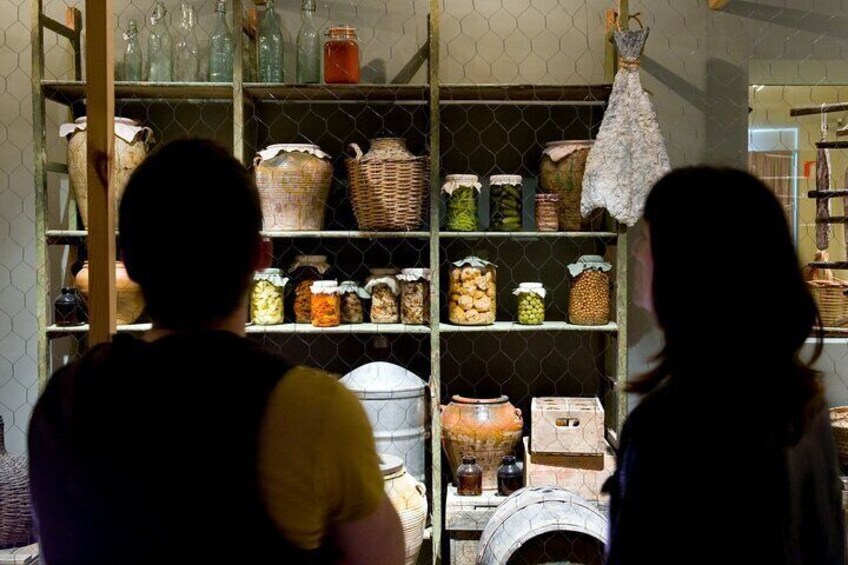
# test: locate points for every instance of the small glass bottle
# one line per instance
(469, 475)
(68, 308)
(270, 46)
(221, 47)
(186, 49)
(341, 56)
(160, 49)
(308, 46)
(510, 477)
(132, 53)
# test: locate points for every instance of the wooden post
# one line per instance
(100, 94)
(718, 4)
(609, 46)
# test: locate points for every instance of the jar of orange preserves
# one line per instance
(341, 56)
(326, 304)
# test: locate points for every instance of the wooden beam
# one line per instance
(73, 19)
(817, 110)
(718, 4)
(100, 95)
(609, 46)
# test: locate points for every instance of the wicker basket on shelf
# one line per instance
(839, 425)
(828, 292)
(16, 526)
(388, 186)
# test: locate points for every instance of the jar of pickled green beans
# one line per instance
(531, 303)
(505, 202)
(461, 192)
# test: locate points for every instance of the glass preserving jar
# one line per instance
(510, 476)
(531, 303)
(341, 56)
(547, 212)
(462, 192)
(589, 296)
(384, 288)
(505, 203)
(415, 296)
(353, 297)
(472, 292)
(326, 304)
(266, 297)
(469, 475)
(305, 270)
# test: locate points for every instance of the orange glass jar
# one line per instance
(341, 56)
(326, 304)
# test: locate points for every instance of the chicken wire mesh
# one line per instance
(704, 70)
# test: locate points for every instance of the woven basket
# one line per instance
(387, 194)
(831, 300)
(16, 527)
(839, 425)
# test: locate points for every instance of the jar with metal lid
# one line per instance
(415, 296)
(472, 292)
(462, 192)
(341, 56)
(531, 303)
(589, 296)
(384, 288)
(469, 477)
(547, 212)
(505, 204)
(326, 304)
(266, 297)
(352, 302)
(305, 270)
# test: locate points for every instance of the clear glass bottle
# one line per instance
(270, 46)
(308, 46)
(221, 47)
(187, 49)
(160, 48)
(469, 475)
(132, 53)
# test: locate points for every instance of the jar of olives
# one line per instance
(352, 303)
(472, 292)
(589, 296)
(266, 297)
(531, 303)
(384, 288)
(506, 202)
(305, 270)
(462, 192)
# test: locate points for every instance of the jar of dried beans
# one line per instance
(472, 292)
(305, 270)
(384, 289)
(353, 299)
(415, 296)
(326, 304)
(589, 296)
(266, 297)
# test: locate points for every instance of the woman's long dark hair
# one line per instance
(730, 297)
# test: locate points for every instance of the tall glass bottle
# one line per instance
(308, 46)
(270, 46)
(132, 53)
(186, 49)
(160, 49)
(221, 47)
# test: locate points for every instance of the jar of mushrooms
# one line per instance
(353, 302)
(589, 295)
(415, 296)
(472, 292)
(384, 288)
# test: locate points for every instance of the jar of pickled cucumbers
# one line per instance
(472, 292)
(305, 270)
(589, 295)
(415, 296)
(505, 202)
(384, 288)
(531, 303)
(353, 299)
(462, 192)
(326, 304)
(266, 297)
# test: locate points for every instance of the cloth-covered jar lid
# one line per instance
(274, 276)
(346, 287)
(453, 182)
(125, 128)
(501, 180)
(589, 263)
(391, 282)
(536, 288)
(415, 274)
(472, 261)
(558, 150)
(273, 150)
(325, 287)
(318, 262)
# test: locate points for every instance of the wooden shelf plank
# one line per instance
(54, 331)
(337, 92)
(526, 234)
(832, 145)
(71, 92)
(500, 327)
(836, 193)
(593, 93)
(838, 265)
(63, 237)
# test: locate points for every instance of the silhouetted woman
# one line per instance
(728, 458)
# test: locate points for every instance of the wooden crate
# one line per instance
(465, 519)
(567, 425)
(582, 475)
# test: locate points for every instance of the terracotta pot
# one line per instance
(409, 497)
(562, 168)
(487, 428)
(130, 299)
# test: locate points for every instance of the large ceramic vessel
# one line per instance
(562, 168)
(131, 145)
(409, 498)
(294, 181)
(487, 428)
(130, 299)
(16, 525)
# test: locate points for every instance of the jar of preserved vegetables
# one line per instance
(547, 212)
(472, 292)
(341, 56)
(462, 192)
(531, 303)
(352, 302)
(266, 297)
(384, 289)
(326, 304)
(589, 296)
(415, 296)
(305, 270)
(505, 204)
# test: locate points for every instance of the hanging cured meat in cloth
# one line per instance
(629, 155)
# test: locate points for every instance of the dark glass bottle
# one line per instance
(469, 475)
(510, 477)
(68, 310)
